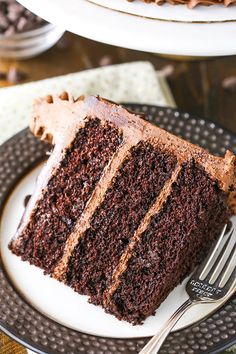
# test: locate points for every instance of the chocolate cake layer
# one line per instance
(136, 187)
(69, 189)
(177, 238)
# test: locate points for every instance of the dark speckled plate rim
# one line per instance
(11, 331)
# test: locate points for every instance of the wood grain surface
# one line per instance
(204, 87)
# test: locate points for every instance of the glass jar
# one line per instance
(30, 43)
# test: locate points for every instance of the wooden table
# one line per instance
(197, 86)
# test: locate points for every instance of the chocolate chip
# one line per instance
(38, 19)
(167, 70)
(3, 75)
(229, 84)
(4, 23)
(14, 11)
(14, 76)
(21, 24)
(105, 60)
(63, 43)
(14, 18)
(3, 8)
(26, 200)
(10, 30)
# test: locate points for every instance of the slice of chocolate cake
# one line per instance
(123, 210)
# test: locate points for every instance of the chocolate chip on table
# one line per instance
(105, 60)
(15, 18)
(167, 70)
(14, 76)
(229, 84)
(63, 43)
(3, 75)
(26, 200)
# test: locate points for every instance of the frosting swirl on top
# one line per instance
(192, 3)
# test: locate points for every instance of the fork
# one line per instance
(213, 281)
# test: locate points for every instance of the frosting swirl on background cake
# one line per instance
(191, 3)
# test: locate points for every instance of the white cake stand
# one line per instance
(173, 30)
(204, 31)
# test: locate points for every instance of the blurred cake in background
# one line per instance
(191, 3)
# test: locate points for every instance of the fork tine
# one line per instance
(231, 282)
(227, 269)
(218, 255)
(213, 252)
(222, 259)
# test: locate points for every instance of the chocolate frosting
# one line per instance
(57, 118)
(192, 3)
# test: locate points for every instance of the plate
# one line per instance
(30, 304)
(212, 33)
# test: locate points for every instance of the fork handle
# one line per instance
(155, 343)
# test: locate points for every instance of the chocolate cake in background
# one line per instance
(123, 210)
(191, 3)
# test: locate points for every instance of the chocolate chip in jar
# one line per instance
(23, 35)
(15, 18)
